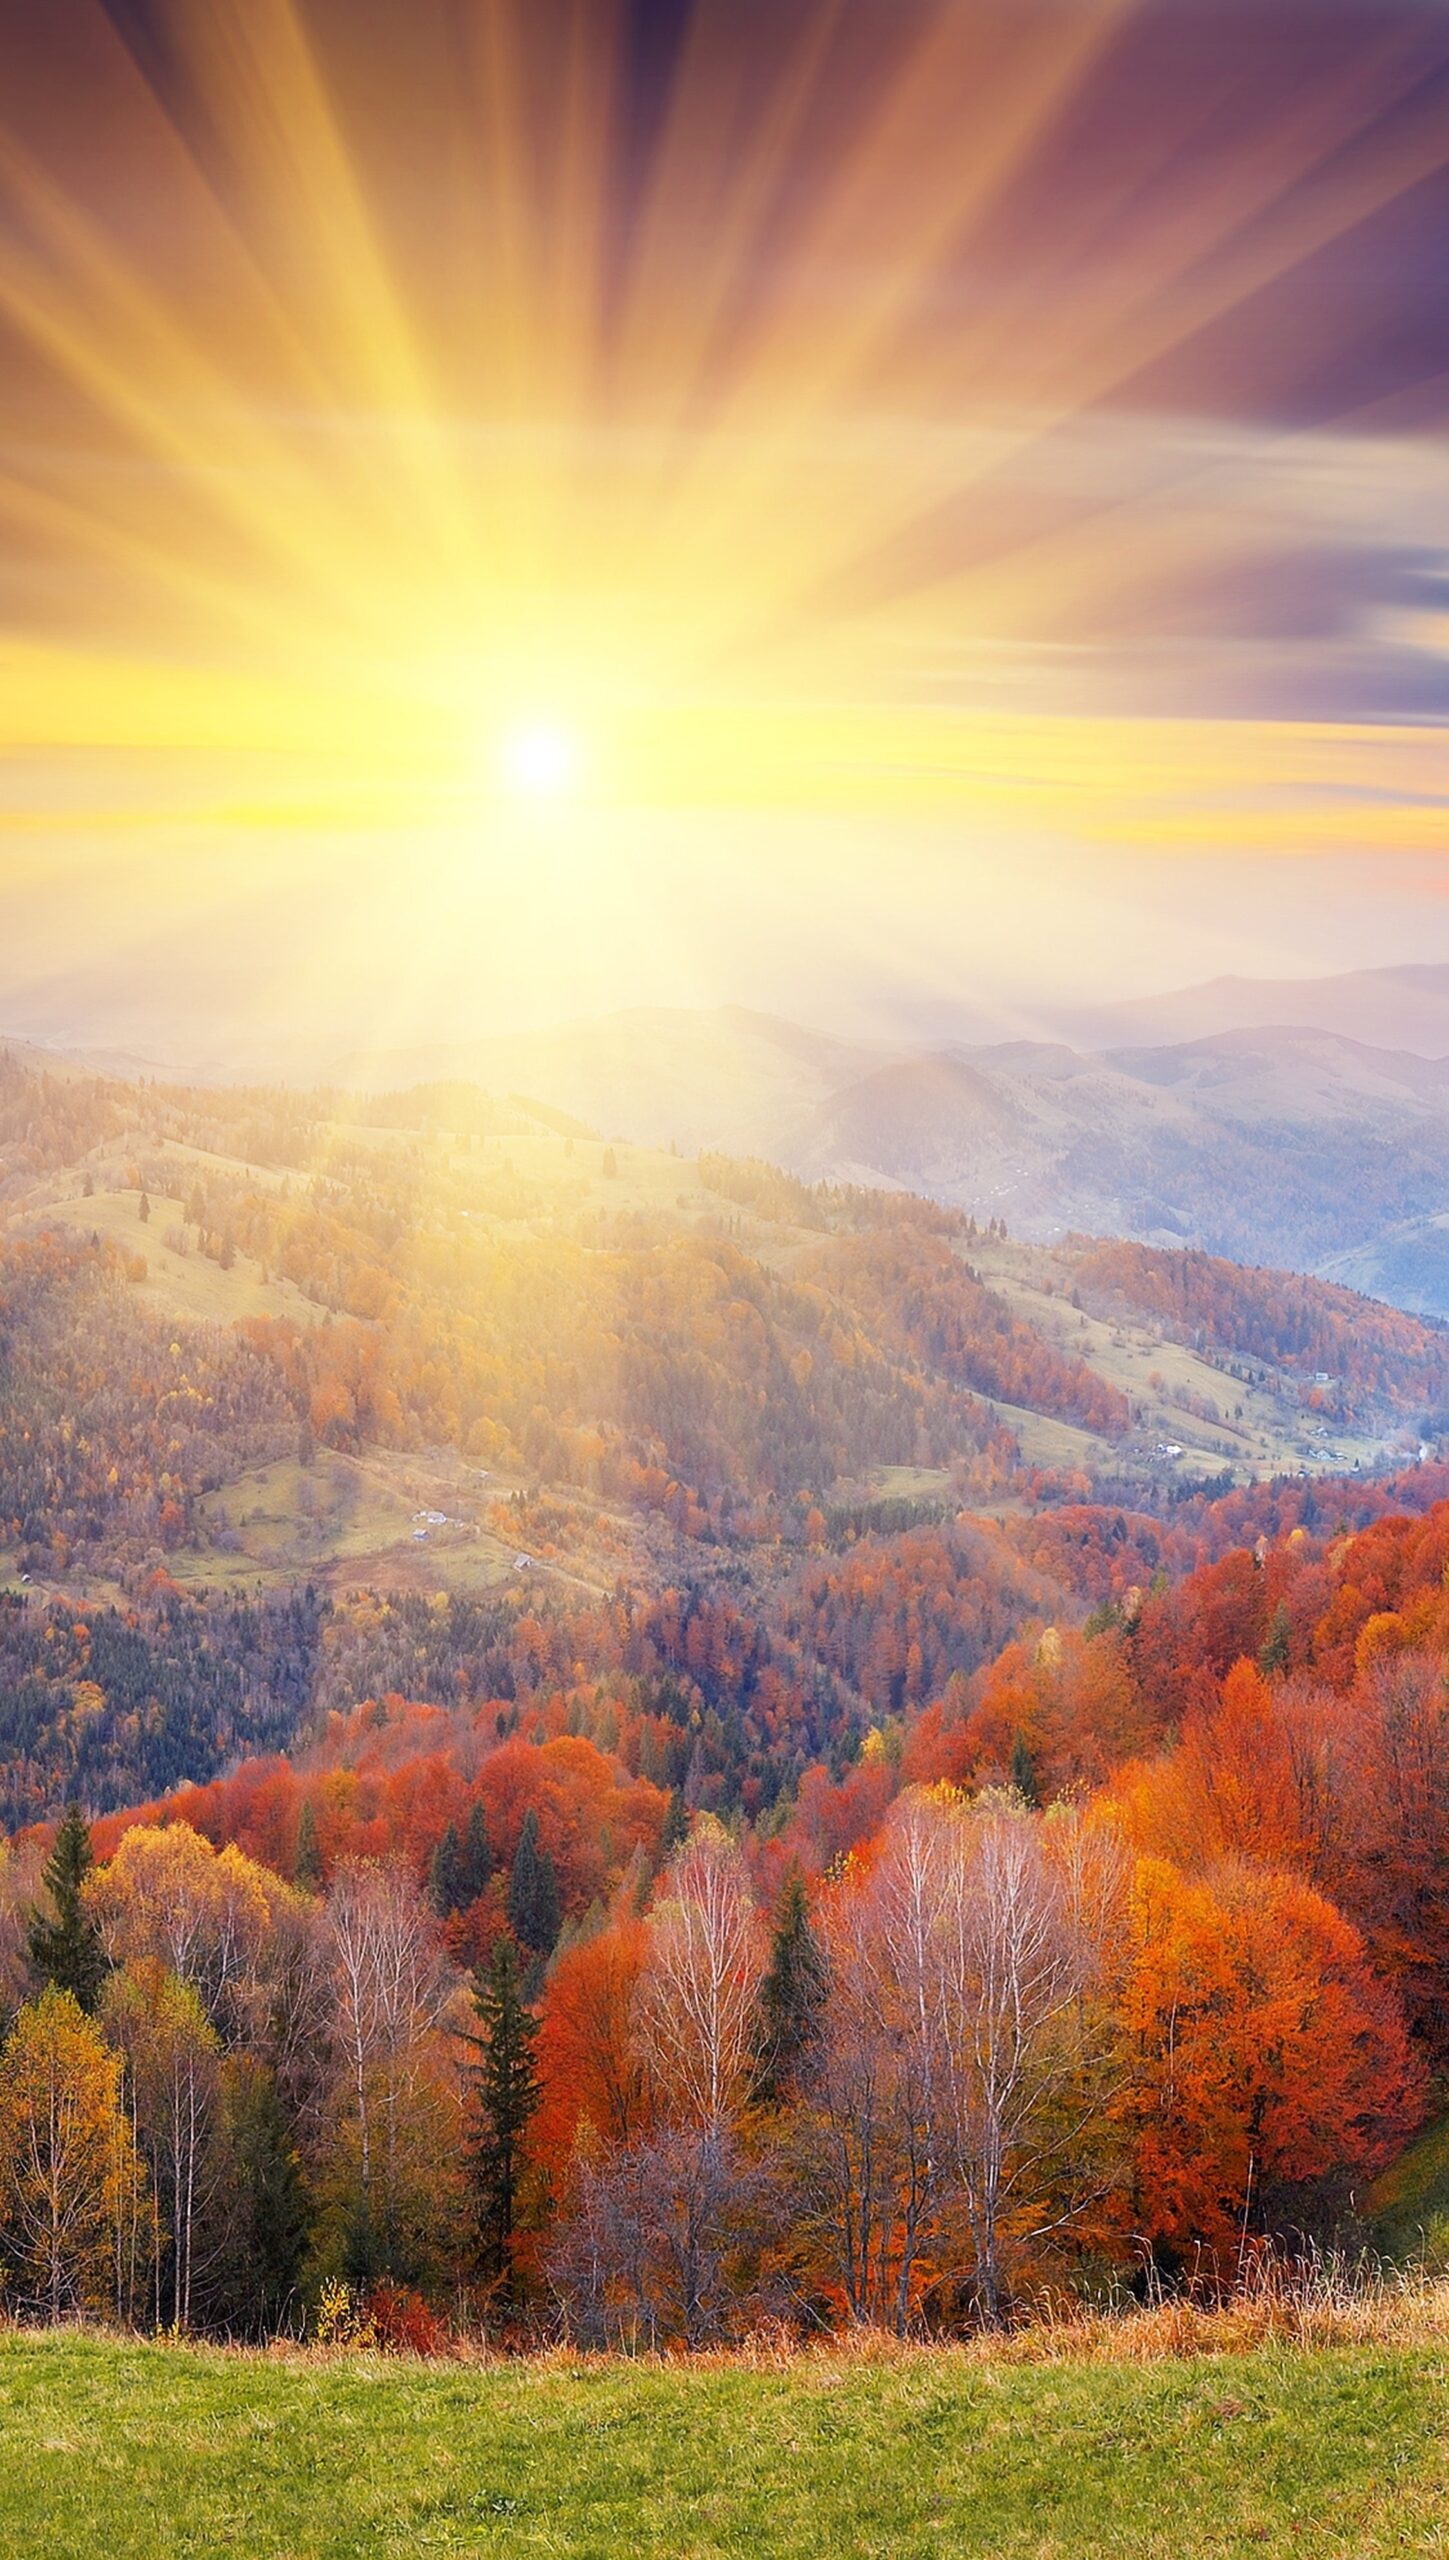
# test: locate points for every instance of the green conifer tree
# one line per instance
(534, 1908)
(307, 1872)
(64, 1944)
(506, 2093)
(445, 1875)
(792, 1995)
(267, 2204)
(1023, 1773)
(475, 1864)
(1277, 1650)
(676, 1825)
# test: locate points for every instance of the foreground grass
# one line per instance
(139, 2452)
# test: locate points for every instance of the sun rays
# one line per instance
(379, 380)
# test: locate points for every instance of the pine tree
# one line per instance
(144, 1211)
(66, 1949)
(1277, 1651)
(534, 1909)
(676, 1825)
(792, 1995)
(268, 2206)
(307, 1870)
(1023, 1773)
(445, 1890)
(475, 1864)
(506, 2092)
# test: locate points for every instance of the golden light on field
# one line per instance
(402, 423)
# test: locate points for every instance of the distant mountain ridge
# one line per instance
(1405, 1006)
(1300, 1123)
(1294, 1145)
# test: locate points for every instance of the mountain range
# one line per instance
(1301, 1123)
(1403, 1007)
(1297, 1142)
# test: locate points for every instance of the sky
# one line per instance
(896, 511)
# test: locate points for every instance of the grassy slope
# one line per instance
(186, 1285)
(148, 2453)
(1274, 1434)
(568, 1179)
(1412, 2196)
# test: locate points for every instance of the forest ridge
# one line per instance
(655, 1746)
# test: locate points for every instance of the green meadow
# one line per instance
(147, 2452)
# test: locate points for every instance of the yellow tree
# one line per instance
(168, 1897)
(72, 2190)
(172, 2055)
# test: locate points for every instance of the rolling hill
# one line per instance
(262, 1344)
(1288, 1147)
(1297, 1146)
(1297, 1123)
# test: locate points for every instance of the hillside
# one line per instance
(151, 2452)
(726, 1078)
(1290, 1147)
(433, 1343)
(1316, 1144)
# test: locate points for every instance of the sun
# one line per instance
(540, 760)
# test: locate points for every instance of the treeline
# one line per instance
(649, 1360)
(47, 1121)
(728, 1686)
(1126, 1950)
(784, 1199)
(682, 1374)
(992, 2058)
(916, 1297)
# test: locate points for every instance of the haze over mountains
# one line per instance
(1302, 1123)
(1406, 1007)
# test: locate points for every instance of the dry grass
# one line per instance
(1330, 2301)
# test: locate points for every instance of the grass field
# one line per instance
(188, 1285)
(139, 2452)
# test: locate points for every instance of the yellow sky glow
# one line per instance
(348, 527)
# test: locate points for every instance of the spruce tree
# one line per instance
(262, 2264)
(475, 1864)
(534, 1909)
(792, 1995)
(307, 1872)
(444, 1875)
(676, 1825)
(1023, 1773)
(1277, 1650)
(506, 2092)
(66, 1949)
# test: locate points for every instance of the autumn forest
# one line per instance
(611, 1746)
